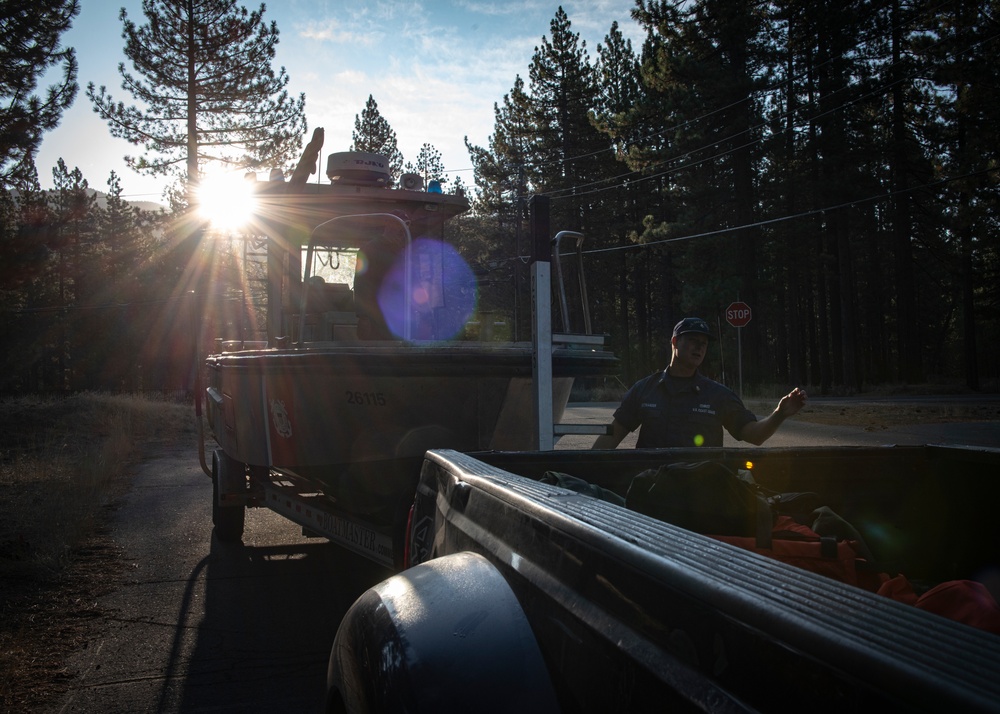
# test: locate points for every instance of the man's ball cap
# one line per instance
(692, 324)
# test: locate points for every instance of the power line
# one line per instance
(641, 176)
(763, 92)
(779, 219)
(804, 214)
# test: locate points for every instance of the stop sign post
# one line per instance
(738, 315)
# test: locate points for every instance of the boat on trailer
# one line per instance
(369, 359)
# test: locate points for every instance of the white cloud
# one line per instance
(331, 31)
(502, 9)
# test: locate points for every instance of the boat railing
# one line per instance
(581, 280)
(545, 340)
(222, 345)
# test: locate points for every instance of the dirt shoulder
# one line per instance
(65, 464)
(49, 616)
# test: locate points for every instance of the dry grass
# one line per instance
(64, 462)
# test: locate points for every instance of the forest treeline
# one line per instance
(832, 164)
(93, 295)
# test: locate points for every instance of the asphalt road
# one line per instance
(796, 432)
(200, 626)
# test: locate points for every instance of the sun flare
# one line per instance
(226, 201)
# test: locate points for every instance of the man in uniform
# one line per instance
(681, 407)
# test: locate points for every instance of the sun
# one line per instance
(226, 200)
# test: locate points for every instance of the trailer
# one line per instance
(370, 360)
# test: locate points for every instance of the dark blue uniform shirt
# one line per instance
(675, 411)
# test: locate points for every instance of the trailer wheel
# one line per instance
(229, 521)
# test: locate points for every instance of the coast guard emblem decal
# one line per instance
(279, 417)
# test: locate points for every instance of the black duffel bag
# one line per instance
(704, 497)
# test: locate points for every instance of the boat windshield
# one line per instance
(391, 286)
(333, 265)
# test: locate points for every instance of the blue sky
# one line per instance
(434, 67)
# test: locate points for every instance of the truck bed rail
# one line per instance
(763, 631)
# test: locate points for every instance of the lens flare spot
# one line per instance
(443, 292)
(699, 440)
(421, 296)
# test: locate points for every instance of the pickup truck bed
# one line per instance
(633, 614)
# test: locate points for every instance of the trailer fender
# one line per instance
(229, 487)
(444, 636)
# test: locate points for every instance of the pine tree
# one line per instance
(960, 48)
(563, 89)
(501, 169)
(619, 90)
(121, 316)
(24, 283)
(71, 242)
(373, 134)
(429, 165)
(125, 235)
(703, 63)
(501, 175)
(29, 47)
(206, 90)
(24, 218)
(72, 217)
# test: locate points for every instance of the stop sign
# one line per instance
(738, 314)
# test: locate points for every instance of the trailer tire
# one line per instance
(229, 521)
(445, 636)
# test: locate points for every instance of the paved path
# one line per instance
(796, 432)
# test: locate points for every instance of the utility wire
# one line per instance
(765, 92)
(771, 221)
(642, 175)
(762, 93)
(804, 214)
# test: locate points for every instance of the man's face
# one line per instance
(691, 349)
